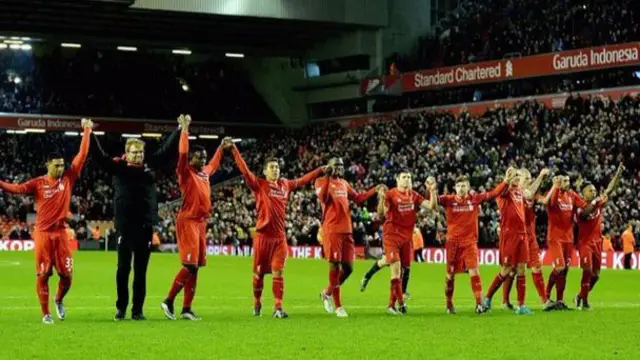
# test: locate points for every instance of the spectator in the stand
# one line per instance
(628, 245)
(590, 135)
(481, 30)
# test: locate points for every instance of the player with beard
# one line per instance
(334, 194)
(563, 202)
(462, 211)
(399, 206)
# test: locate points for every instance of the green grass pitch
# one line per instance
(229, 331)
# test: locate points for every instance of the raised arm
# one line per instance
(305, 179)
(215, 161)
(81, 157)
(432, 192)
(249, 177)
(360, 196)
(545, 199)
(183, 154)
(430, 202)
(531, 191)
(615, 181)
(102, 158)
(493, 193)
(28, 187)
(552, 197)
(384, 202)
(166, 150)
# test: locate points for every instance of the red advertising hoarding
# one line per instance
(601, 57)
(70, 123)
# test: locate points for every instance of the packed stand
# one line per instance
(588, 137)
(94, 82)
(481, 30)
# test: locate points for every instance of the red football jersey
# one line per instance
(530, 217)
(334, 195)
(560, 211)
(271, 198)
(402, 208)
(590, 229)
(194, 185)
(53, 196)
(512, 214)
(462, 214)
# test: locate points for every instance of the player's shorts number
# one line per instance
(68, 263)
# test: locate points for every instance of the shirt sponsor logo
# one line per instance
(277, 192)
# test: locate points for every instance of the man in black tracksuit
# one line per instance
(136, 214)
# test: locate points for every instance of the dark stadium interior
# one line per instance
(81, 20)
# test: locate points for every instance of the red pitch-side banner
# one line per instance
(610, 260)
(70, 123)
(479, 108)
(601, 57)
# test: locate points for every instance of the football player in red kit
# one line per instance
(52, 193)
(270, 243)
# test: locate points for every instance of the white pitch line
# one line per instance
(9, 263)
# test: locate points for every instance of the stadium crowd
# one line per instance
(492, 29)
(587, 137)
(54, 80)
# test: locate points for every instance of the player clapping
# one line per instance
(560, 210)
(399, 206)
(462, 211)
(590, 238)
(513, 235)
(534, 262)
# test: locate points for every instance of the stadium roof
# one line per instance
(78, 21)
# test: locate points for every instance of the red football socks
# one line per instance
(476, 286)
(42, 287)
(538, 281)
(278, 290)
(392, 297)
(506, 288)
(190, 290)
(495, 285)
(553, 277)
(257, 290)
(448, 291)
(178, 283)
(396, 288)
(64, 284)
(560, 285)
(585, 284)
(521, 287)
